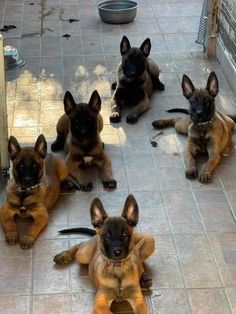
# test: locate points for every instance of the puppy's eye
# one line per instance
(21, 166)
(124, 234)
(108, 235)
(34, 166)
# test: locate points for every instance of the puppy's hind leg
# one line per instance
(155, 72)
(62, 131)
(81, 252)
(66, 257)
(163, 123)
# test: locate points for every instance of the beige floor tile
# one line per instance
(153, 226)
(55, 304)
(231, 296)
(14, 304)
(165, 271)
(170, 301)
(180, 205)
(217, 217)
(208, 301)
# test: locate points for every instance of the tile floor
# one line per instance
(194, 267)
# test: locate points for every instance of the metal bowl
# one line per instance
(117, 12)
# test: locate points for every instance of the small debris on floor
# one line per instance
(154, 143)
(66, 36)
(73, 20)
(31, 3)
(70, 20)
(7, 27)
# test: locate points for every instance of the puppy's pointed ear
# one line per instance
(187, 86)
(69, 103)
(124, 45)
(41, 146)
(95, 102)
(212, 84)
(97, 213)
(130, 211)
(146, 47)
(13, 147)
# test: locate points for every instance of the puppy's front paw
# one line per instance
(12, 237)
(63, 258)
(160, 85)
(26, 242)
(115, 117)
(205, 177)
(132, 118)
(191, 173)
(109, 184)
(158, 124)
(85, 186)
(145, 281)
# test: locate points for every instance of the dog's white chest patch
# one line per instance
(87, 160)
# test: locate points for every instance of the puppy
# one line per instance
(208, 131)
(115, 257)
(78, 132)
(33, 189)
(138, 76)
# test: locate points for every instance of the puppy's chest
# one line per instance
(201, 139)
(121, 279)
(26, 201)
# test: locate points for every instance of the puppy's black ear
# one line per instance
(13, 147)
(97, 213)
(69, 103)
(212, 84)
(130, 211)
(41, 146)
(146, 47)
(124, 45)
(187, 86)
(95, 102)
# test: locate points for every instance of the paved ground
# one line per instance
(194, 267)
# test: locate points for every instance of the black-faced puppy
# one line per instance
(138, 76)
(78, 132)
(208, 131)
(33, 189)
(115, 257)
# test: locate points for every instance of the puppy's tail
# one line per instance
(87, 231)
(186, 111)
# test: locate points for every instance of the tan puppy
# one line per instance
(115, 257)
(78, 132)
(208, 131)
(138, 76)
(33, 190)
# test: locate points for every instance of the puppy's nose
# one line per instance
(199, 112)
(117, 252)
(27, 179)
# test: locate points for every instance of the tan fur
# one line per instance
(112, 282)
(152, 70)
(217, 134)
(34, 203)
(77, 157)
